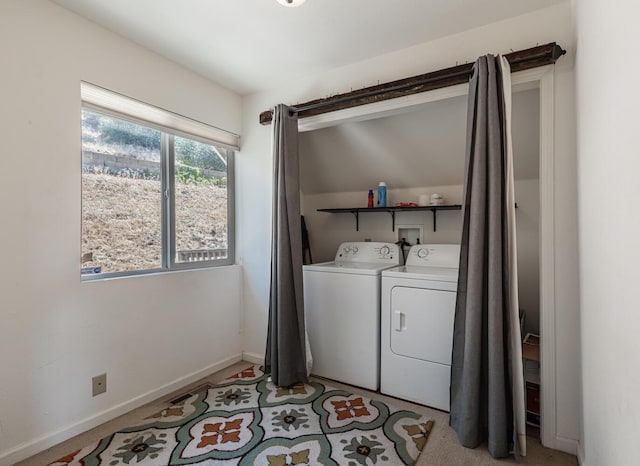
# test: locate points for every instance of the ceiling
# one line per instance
(253, 45)
(409, 150)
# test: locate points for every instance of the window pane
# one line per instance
(121, 195)
(200, 201)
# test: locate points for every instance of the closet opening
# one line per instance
(416, 145)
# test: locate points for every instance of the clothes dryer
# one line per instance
(418, 307)
(342, 310)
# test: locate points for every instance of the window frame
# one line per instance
(168, 215)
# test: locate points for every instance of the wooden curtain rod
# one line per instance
(521, 60)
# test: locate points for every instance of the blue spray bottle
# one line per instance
(382, 194)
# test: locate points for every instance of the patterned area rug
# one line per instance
(246, 420)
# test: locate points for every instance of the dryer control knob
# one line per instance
(384, 250)
(423, 253)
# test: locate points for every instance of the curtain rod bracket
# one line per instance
(557, 51)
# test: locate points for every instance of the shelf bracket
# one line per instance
(433, 211)
(393, 219)
(357, 215)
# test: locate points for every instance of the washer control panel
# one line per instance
(434, 255)
(383, 253)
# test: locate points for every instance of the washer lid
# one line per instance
(439, 274)
(360, 268)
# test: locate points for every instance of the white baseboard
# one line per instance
(253, 357)
(30, 448)
(580, 455)
(566, 445)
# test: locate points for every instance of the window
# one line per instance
(154, 197)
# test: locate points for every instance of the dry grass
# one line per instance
(121, 220)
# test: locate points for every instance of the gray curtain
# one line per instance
(285, 356)
(482, 403)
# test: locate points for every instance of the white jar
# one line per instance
(436, 199)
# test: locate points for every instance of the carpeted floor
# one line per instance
(248, 421)
(441, 449)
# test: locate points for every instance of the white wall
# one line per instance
(150, 334)
(254, 167)
(422, 146)
(608, 99)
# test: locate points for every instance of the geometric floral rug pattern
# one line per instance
(246, 420)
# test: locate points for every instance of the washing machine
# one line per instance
(342, 310)
(417, 308)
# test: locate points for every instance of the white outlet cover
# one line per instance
(99, 384)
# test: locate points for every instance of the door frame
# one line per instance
(541, 78)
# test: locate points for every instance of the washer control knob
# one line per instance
(384, 250)
(354, 249)
(423, 253)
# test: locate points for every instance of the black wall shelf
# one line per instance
(391, 210)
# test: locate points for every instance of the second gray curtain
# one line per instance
(486, 331)
(285, 356)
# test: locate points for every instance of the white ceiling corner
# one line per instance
(253, 45)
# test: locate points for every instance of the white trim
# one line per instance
(567, 445)
(531, 76)
(379, 109)
(253, 357)
(580, 455)
(40, 444)
(543, 78)
(548, 394)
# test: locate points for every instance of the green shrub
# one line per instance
(186, 175)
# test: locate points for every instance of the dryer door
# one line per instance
(422, 323)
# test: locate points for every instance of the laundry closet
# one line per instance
(416, 152)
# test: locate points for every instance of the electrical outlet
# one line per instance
(99, 384)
